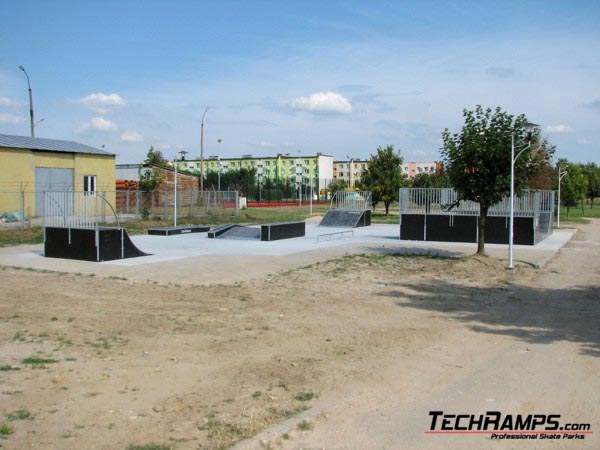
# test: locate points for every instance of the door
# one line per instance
(50, 179)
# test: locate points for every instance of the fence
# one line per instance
(444, 201)
(188, 203)
(436, 215)
(26, 208)
(351, 201)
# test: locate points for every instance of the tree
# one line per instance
(149, 179)
(477, 160)
(384, 176)
(337, 185)
(574, 186)
(592, 172)
(429, 180)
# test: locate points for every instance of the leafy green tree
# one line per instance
(574, 186)
(429, 180)
(592, 173)
(337, 185)
(384, 177)
(149, 179)
(477, 160)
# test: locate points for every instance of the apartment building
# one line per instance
(350, 171)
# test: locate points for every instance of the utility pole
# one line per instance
(202, 151)
(30, 102)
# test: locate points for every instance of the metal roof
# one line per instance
(50, 145)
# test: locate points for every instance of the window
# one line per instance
(341, 174)
(268, 163)
(89, 184)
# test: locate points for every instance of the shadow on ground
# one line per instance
(535, 315)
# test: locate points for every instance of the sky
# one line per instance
(340, 78)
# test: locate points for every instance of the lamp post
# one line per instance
(219, 166)
(561, 175)
(30, 102)
(38, 122)
(349, 165)
(299, 177)
(182, 154)
(529, 128)
(260, 179)
(202, 151)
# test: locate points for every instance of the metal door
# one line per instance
(50, 179)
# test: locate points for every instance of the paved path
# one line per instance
(194, 259)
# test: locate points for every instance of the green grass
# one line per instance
(577, 216)
(149, 447)
(21, 414)
(305, 396)
(6, 430)
(37, 362)
(7, 367)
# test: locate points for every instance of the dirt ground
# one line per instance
(360, 348)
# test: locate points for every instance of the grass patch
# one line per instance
(305, 396)
(37, 362)
(151, 446)
(34, 235)
(7, 368)
(257, 394)
(304, 425)
(21, 414)
(6, 430)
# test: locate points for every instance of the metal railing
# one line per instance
(70, 209)
(441, 201)
(351, 201)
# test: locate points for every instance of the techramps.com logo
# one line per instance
(501, 426)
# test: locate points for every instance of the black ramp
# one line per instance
(170, 231)
(218, 231)
(343, 218)
(282, 230)
(240, 232)
(80, 243)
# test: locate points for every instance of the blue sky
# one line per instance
(341, 78)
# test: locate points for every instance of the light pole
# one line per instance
(202, 151)
(182, 154)
(219, 166)
(561, 175)
(299, 178)
(529, 128)
(259, 172)
(30, 102)
(38, 122)
(349, 172)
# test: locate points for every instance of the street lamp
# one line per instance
(38, 122)
(349, 172)
(561, 175)
(260, 179)
(299, 177)
(219, 166)
(30, 101)
(529, 128)
(182, 154)
(202, 151)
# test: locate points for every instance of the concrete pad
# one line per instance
(195, 259)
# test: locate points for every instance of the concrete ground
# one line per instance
(195, 259)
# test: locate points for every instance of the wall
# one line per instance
(18, 173)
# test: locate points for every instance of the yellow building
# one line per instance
(31, 166)
(350, 171)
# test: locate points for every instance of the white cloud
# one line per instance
(584, 141)
(323, 103)
(101, 102)
(132, 136)
(561, 128)
(99, 124)
(10, 119)
(5, 101)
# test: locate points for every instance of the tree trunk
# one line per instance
(582, 210)
(568, 210)
(387, 208)
(481, 229)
